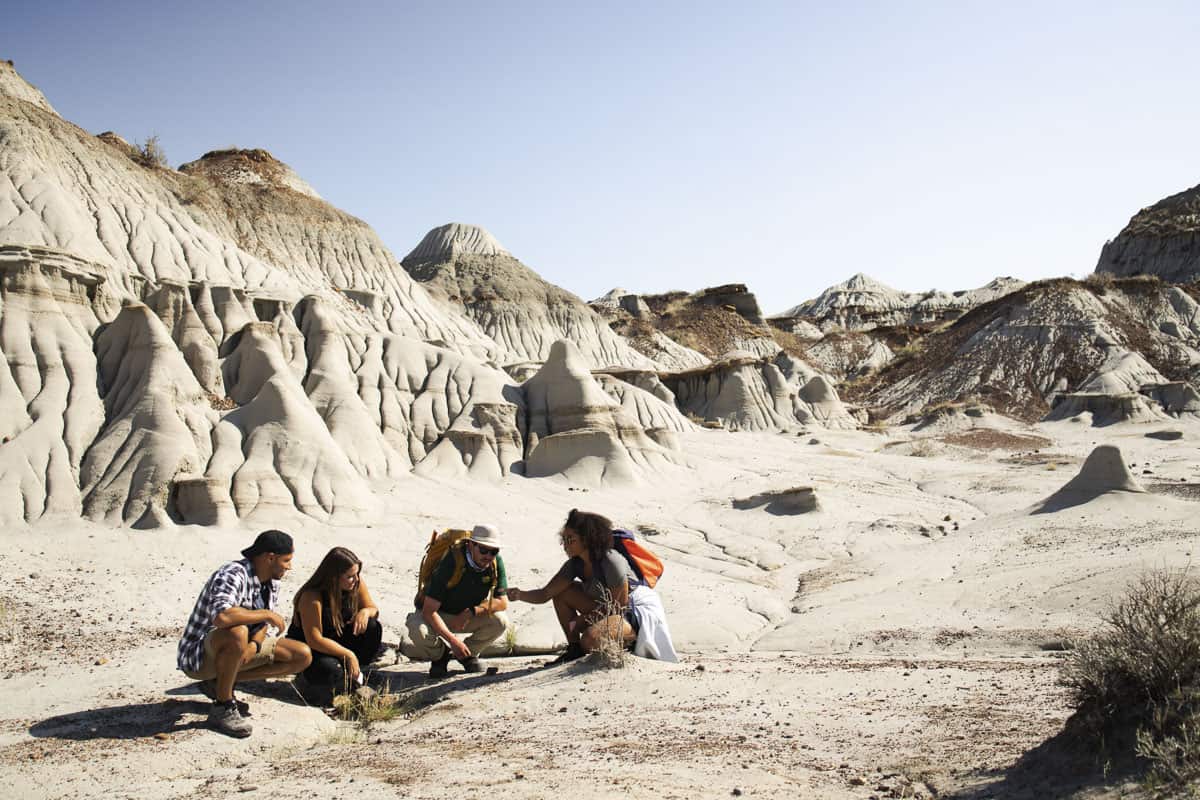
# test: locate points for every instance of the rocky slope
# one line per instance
(1026, 351)
(686, 331)
(1161, 240)
(469, 272)
(218, 343)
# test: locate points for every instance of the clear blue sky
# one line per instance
(676, 145)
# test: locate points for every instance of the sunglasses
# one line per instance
(487, 551)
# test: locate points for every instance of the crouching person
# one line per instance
(465, 595)
(338, 620)
(233, 633)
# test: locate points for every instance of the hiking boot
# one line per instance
(471, 664)
(439, 667)
(225, 718)
(574, 650)
(209, 688)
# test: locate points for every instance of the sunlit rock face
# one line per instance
(472, 274)
(1162, 240)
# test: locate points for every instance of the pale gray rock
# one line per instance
(1105, 471)
(13, 85)
(1174, 397)
(577, 430)
(1019, 354)
(157, 423)
(1161, 240)
(863, 303)
(50, 404)
(470, 273)
(1104, 409)
(797, 500)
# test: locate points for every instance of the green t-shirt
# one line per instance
(471, 590)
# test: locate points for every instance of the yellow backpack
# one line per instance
(449, 541)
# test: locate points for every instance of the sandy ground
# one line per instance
(902, 640)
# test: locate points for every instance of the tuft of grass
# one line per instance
(8, 622)
(510, 639)
(367, 706)
(922, 448)
(342, 735)
(1136, 683)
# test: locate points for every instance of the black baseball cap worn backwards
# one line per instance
(276, 542)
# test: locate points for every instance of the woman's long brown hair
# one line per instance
(325, 582)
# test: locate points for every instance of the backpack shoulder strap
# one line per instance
(460, 565)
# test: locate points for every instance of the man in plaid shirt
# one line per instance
(234, 632)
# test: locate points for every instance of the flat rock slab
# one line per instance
(797, 500)
(1168, 435)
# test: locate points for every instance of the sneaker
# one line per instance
(439, 668)
(209, 688)
(471, 664)
(225, 718)
(574, 650)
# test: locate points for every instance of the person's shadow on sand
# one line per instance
(134, 721)
(187, 708)
(420, 692)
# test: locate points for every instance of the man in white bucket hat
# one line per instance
(465, 596)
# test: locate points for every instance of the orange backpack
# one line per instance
(647, 566)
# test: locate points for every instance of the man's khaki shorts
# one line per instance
(208, 667)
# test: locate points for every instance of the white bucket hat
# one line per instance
(486, 535)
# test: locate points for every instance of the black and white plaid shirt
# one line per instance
(234, 584)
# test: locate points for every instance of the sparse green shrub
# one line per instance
(1136, 683)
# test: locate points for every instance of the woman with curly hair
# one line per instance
(338, 619)
(593, 590)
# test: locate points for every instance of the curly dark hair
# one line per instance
(593, 530)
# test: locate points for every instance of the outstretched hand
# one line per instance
(514, 595)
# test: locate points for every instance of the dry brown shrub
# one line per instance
(610, 652)
(150, 153)
(1136, 683)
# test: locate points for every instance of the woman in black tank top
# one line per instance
(339, 621)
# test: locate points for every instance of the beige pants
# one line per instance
(208, 667)
(427, 645)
